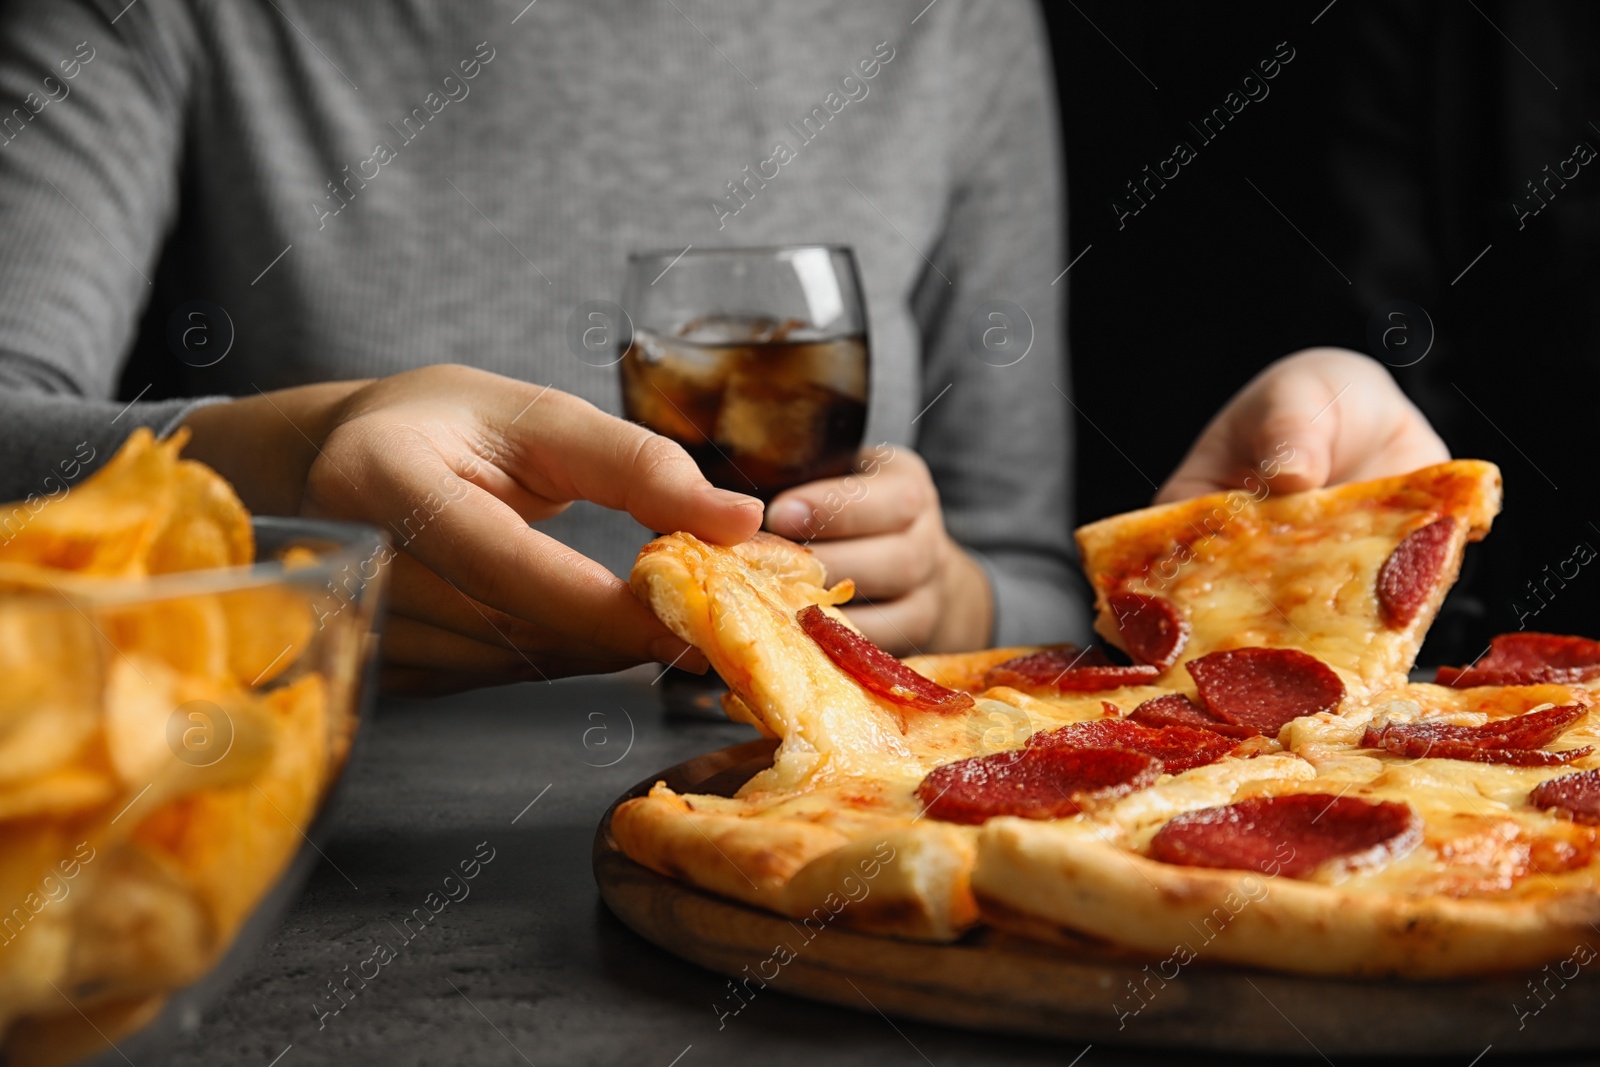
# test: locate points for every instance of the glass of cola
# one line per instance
(755, 360)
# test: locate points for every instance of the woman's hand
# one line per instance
(1318, 417)
(454, 463)
(917, 590)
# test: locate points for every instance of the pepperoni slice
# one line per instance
(1528, 659)
(1513, 757)
(1045, 782)
(1175, 709)
(1265, 687)
(1041, 669)
(1292, 835)
(1412, 571)
(1576, 796)
(1533, 729)
(1066, 669)
(1152, 630)
(878, 672)
(1097, 679)
(1515, 740)
(1179, 748)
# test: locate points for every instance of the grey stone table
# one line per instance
(523, 964)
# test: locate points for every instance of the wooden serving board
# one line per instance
(1055, 986)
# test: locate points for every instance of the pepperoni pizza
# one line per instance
(1261, 769)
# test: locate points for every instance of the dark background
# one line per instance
(1396, 141)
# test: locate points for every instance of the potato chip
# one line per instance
(231, 844)
(50, 699)
(295, 778)
(43, 742)
(298, 558)
(141, 695)
(179, 732)
(49, 738)
(137, 929)
(188, 633)
(207, 527)
(63, 792)
(105, 525)
(49, 650)
(35, 932)
(268, 628)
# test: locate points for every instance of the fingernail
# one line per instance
(728, 499)
(788, 514)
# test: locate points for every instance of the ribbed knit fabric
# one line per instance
(366, 186)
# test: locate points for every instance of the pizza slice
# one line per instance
(836, 805)
(856, 778)
(1352, 575)
(885, 766)
(1430, 832)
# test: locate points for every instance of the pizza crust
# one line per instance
(728, 853)
(1064, 873)
(899, 877)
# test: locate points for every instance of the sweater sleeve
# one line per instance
(92, 98)
(996, 429)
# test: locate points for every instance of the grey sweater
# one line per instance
(367, 186)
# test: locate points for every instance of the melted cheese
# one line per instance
(1481, 835)
(1291, 571)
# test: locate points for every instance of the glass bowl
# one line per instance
(168, 747)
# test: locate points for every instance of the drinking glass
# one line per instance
(755, 360)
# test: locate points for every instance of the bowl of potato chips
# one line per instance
(180, 685)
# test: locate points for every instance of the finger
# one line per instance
(414, 643)
(885, 567)
(418, 593)
(1290, 428)
(564, 448)
(485, 464)
(485, 549)
(1366, 427)
(1208, 467)
(1413, 446)
(1319, 417)
(886, 500)
(900, 627)
(1279, 429)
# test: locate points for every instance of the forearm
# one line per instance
(50, 439)
(265, 444)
